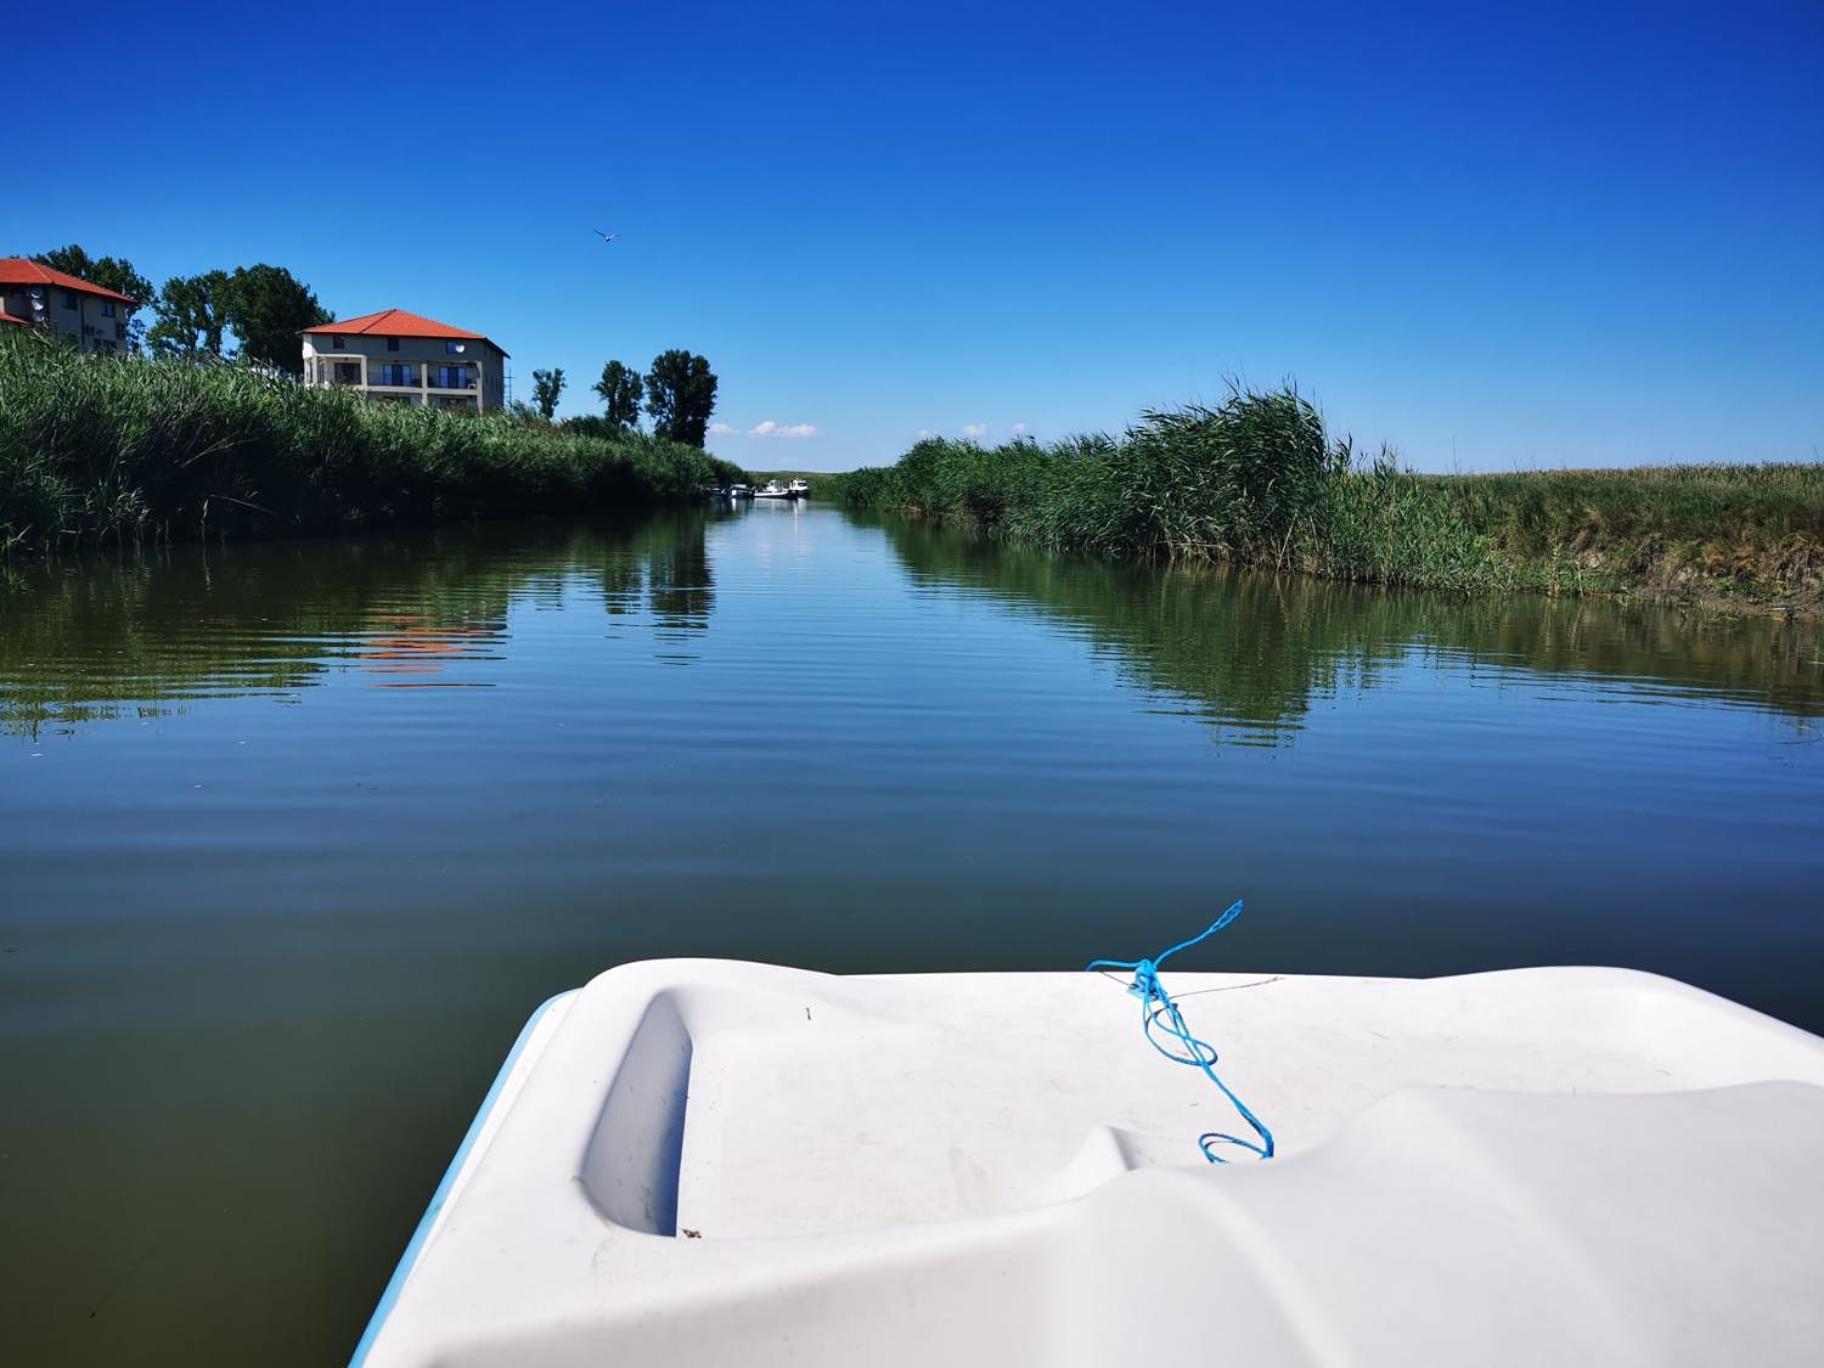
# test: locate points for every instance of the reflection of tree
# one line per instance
(1252, 649)
(682, 592)
(662, 563)
(623, 583)
(101, 637)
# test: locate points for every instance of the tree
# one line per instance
(192, 313)
(546, 386)
(588, 425)
(72, 259)
(267, 306)
(620, 389)
(681, 396)
(111, 273)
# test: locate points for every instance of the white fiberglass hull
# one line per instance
(717, 1163)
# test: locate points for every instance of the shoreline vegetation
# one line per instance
(116, 449)
(1257, 481)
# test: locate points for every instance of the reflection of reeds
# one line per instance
(1252, 650)
(107, 636)
(1257, 482)
(98, 448)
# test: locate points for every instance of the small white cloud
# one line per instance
(1019, 429)
(721, 430)
(771, 429)
(975, 431)
(924, 434)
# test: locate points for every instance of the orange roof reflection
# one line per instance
(412, 644)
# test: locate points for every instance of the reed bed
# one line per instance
(101, 448)
(1258, 481)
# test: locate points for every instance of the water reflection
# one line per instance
(408, 648)
(147, 635)
(1252, 652)
(152, 634)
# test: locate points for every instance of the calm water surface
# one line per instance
(292, 838)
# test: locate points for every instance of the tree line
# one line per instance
(263, 307)
(679, 391)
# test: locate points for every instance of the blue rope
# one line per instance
(1160, 1015)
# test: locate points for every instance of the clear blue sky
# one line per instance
(1554, 235)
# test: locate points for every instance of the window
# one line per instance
(397, 373)
(452, 348)
(392, 344)
(107, 308)
(340, 344)
(348, 373)
(69, 299)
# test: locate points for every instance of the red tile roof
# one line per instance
(8, 318)
(399, 323)
(19, 271)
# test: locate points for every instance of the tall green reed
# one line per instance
(1258, 481)
(96, 448)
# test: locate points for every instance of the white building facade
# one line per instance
(409, 359)
(32, 295)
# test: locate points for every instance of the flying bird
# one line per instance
(606, 237)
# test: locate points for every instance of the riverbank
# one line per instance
(1258, 481)
(97, 449)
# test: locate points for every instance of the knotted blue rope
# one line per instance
(1160, 1015)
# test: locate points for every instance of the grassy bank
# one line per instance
(97, 448)
(1258, 481)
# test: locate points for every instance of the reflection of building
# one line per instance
(411, 644)
(36, 296)
(407, 359)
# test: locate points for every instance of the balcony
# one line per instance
(452, 378)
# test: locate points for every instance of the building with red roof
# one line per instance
(32, 294)
(407, 358)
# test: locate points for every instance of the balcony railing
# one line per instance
(451, 380)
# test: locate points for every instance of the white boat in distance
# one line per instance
(772, 489)
(706, 1162)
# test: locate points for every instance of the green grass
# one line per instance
(1258, 481)
(98, 448)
